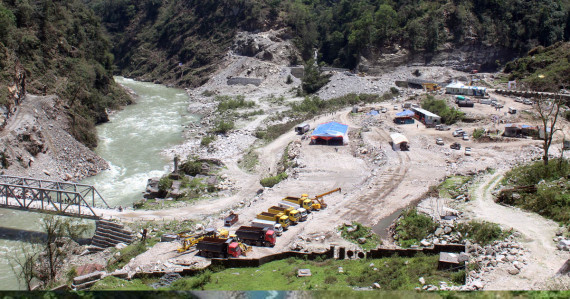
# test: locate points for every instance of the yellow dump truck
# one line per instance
(302, 202)
(280, 218)
(291, 212)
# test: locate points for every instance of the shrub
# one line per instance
(481, 232)
(4, 160)
(227, 103)
(127, 253)
(330, 279)
(361, 231)
(273, 180)
(206, 140)
(413, 227)
(394, 90)
(222, 127)
(164, 184)
(478, 133)
(191, 167)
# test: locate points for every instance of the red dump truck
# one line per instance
(259, 236)
(218, 247)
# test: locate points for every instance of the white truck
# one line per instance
(276, 227)
(302, 211)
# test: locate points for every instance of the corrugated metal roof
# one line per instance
(425, 112)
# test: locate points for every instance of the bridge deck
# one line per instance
(53, 197)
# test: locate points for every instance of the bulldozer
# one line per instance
(190, 241)
(319, 203)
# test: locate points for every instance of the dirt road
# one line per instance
(537, 234)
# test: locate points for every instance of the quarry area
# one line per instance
(377, 179)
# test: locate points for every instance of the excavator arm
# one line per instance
(319, 199)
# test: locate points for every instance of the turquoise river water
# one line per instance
(131, 142)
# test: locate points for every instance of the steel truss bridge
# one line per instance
(52, 197)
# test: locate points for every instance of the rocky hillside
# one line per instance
(57, 47)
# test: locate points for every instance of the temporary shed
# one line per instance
(373, 112)
(427, 117)
(404, 117)
(461, 89)
(330, 133)
(399, 142)
(517, 130)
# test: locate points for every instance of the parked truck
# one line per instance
(289, 211)
(302, 212)
(231, 219)
(219, 247)
(276, 227)
(277, 218)
(302, 202)
(259, 236)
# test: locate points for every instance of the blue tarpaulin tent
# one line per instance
(330, 131)
(405, 113)
(373, 112)
(404, 117)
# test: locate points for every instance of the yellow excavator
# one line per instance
(319, 203)
(190, 241)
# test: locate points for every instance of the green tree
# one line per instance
(56, 228)
(313, 80)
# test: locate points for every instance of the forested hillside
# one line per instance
(152, 37)
(60, 48)
(543, 68)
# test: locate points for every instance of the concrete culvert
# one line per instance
(361, 255)
(350, 254)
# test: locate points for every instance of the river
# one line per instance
(132, 142)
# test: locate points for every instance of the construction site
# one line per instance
(351, 166)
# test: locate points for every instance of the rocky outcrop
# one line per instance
(273, 46)
(463, 58)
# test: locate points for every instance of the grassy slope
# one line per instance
(392, 274)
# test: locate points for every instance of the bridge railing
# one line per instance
(49, 196)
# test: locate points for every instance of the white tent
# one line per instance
(399, 141)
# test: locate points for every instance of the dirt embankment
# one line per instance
(36, 143)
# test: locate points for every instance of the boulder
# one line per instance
(422, 281)
(438, 231)
(477, 284)
(514, 271)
